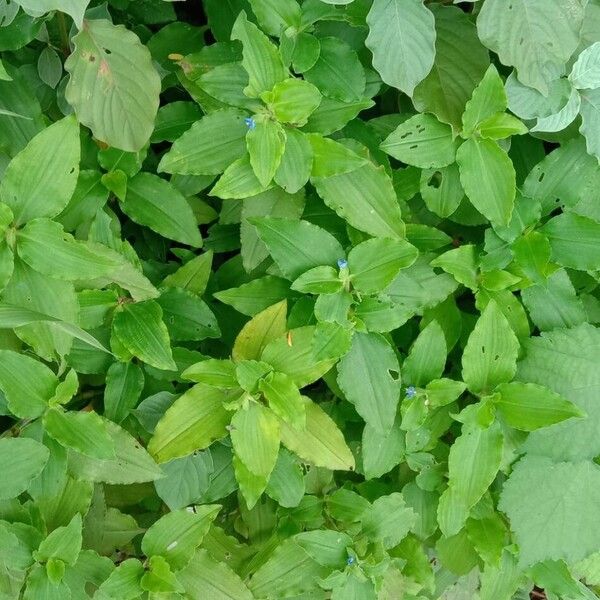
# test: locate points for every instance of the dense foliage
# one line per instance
(298, 299)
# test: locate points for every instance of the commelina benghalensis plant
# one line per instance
(299, 299)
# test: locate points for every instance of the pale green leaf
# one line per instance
(292, 101)
(255, 438)
(85, 432)
(193, 422)
(388, 519)
(375, 263)
(21, 460)
(585, 73)
(238, 181)
(321, 443)
(297, 246)
(365, 198)
(296, 162)
(488, 98)
(140, 328)
(551, 514)
(28, 384)
(528, 406)
(114, 87)
(331, 157)
(422, 141)
(535, 36)
(209, 146)
(64, 543)
(266, 145)
(74, 8)
(261, 59)
(490, 356)
(488, 178)
(402, 40)
(40, 181)
(284, 399)
(266, 326)
(590, 119)
(369, 376)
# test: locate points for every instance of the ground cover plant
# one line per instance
(299, 299)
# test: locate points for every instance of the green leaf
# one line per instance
(375, 263)
(39, 181)
(266, 145)
(402, 40)
(441, 190)
(590, 119)
(488, 99)
(331, 157)
(276, 15)
(21, 461)
(113, 87)
(176, 535)
(284, 399)
(297, 246)
(255, 438)
(381, 453)
(39, 585)
(186, 316)
(365, 198)
(427, 356)
(292, 101)
(292, 354)
(369, 376)
(238, 181)
(63, 543)
(472, 466)
(44, 246)
(388, 520)
(140, 328)
(488, 178)
(318, 280)
(327, 547)
(84, 432)
(286, 483)
(261, 59)
(422, 141)
(124, 383)
(461, 263)
(562, 361)
(266, 326)
(535, 36)
(490, 356)
(193, 422)
(527, 406)
(501, 126)
(574, 241)
(337, 73)
(124, 581)
(159, 578)
(215, 372)
(296, 163)
(27, 384)
(155, 203)
(585, 73)
(193, 275)
(256, 295)
(131, 464)
(209, 146)
(74, 8)
(321, 443)
(460, 62)
(551, 514)
(205, 577)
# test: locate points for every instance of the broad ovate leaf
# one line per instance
(114, 87)
(402, 40)
(40, 180)
(537, 37)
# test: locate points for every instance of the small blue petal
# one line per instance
(411, 391)
(350, 560)
(342, 263)
(250, 122)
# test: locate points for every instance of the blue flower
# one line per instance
(411, 391)
(250, 122)
(350, 560)
(342, 263)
